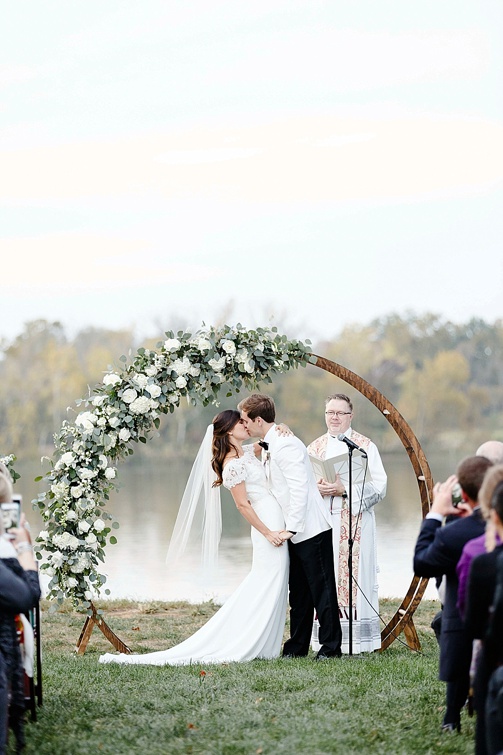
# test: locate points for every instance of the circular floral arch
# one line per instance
(126, 407)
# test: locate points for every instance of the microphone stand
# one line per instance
(350, 550)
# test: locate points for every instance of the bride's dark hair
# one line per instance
(222, 444)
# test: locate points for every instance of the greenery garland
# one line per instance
(123, 410)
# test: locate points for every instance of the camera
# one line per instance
(457, 495)
(11, 513)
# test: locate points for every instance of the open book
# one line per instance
(328, 468)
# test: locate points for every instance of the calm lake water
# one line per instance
(146, 508)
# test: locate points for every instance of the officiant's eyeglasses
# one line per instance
(337, 414)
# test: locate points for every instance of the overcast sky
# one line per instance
(315, 163)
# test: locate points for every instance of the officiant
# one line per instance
(366, 492)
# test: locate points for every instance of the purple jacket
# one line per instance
(472, 548)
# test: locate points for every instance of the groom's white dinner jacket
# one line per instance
(292, 482)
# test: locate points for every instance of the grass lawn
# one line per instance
(386, 703)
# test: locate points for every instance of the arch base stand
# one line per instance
(96, 620)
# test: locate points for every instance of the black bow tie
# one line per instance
(263, 444)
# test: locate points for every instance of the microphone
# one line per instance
(351, 444)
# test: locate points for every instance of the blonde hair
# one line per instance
(492, 479)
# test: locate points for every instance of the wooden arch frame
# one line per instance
(402, 621)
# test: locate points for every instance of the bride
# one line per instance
(251, 622)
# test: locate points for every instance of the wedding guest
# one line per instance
(19, 592)
(479, 599)
(437, 552)
(365, 599)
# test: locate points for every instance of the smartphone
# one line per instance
(11, 513)
(457, 495)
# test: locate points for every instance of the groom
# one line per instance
(312, 579)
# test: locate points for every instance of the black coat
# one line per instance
(438, 550)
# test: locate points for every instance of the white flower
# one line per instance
(102, 461)
(82, 563)
(172, 344)
(88, 595)
(124, 434)
(99, 525)
(56, 559)
(87, 474)
(71, 516)
(86, 420)
(217, 364)
(180, 382)
(92, 541)
(43, 535)
(101, 422)
(78, 446)
(112, 379)
(76, 491)
(195, 370)
(114, 421)
(83, 526)
(67, 459)
(181, 366)
(140, 405)
(151, 371)
(203, 344)
(59, 489)
(140, 380)
(98, 400)
(66, 541)
(248, 367)
(129, 395)
(242, 355)
(71, 582)
(154, 390)
(174, 398)
(110, 473)
(229, 347)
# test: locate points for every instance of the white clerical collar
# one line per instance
(347, 434)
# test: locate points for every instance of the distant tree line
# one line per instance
(446, 379)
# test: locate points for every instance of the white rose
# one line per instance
(180, 382)
(86, 420)
(181, 366)
(249, 367)
(56, 559)
(124, 434)
(82, 562)
(99, 525)
(110, 473)
(242, 355)
(174, 398)
(229, 347)
(129, 395)
(101, 422)
(140, 380)
(76, 491)
(83, 526)
(43, 535)
(151, 371)
(195, 370)
(111, 379)
(67, 459)
(87, 474)
(172, 344)
(71, 516)
(102, 461)
(59, 489)
(203, 344)
(71, 582)
(98, 400)
(217, 364)
(114, 421)
(66, 540)
(154, 390)
(92, 541)
(140, 405)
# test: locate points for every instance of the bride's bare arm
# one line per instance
(245, 508)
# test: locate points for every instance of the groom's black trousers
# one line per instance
(312, 586)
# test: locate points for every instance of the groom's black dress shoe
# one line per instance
(326, 657)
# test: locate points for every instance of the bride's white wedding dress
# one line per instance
(251, 622)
